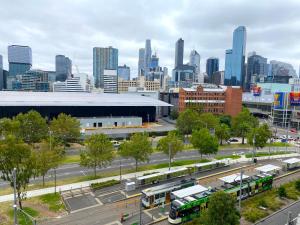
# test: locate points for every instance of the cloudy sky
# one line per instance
(74, 27)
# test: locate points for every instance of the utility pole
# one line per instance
(15, 196)
(169, 156)
(50, 142)
(241, 182)
(253, 152)
(140, 211)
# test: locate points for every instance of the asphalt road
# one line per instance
(280, 217)
(74, 170)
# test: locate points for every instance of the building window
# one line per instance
(95, 125)
(99, 124)
(116, 124)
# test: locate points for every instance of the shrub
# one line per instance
(263, 203)
(104, 184)
(254, 214)
(281, 192)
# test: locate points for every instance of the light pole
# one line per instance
(15, 197)
(50, 143)
(254, 137)
(169, 156)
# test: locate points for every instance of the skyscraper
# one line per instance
(147, 58)
(179, 50)
(154, 61)
(212, 65)
(195, 61)
(228, 67)
(124, 72)
(63, 67)
(103, 59)
(280, 72)
(256, 65)
(19, 59)
(141, 62)
(237, 57)
(1, 73)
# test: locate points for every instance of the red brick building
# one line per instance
(212, 98)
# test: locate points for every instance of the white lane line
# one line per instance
(83, 172)
(150, 215)
(114, 223)
(99, 202)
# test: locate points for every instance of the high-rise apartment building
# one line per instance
(256, 66)
(195, 61)
(63, 67)
(110, 81)
(141, 62)
(103, 59)
(236, 64)
(148, 54)
(124, 72)
(280, 72)
(154, 61)
(179, 51)
(1, 73)
(212, 65)
(19, 59)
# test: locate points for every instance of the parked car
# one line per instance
(231, 140)
(293, 130)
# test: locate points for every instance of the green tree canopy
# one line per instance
(8, 127)
(260, 135)
(185, 122)
(226, 119)
(16, 154)
(207, 120)
(223, 132)
(204, 141)
(65, 128)
(174, 114)
(99, 152)
(221, 210)
(243, 123)
(32, 127)
(138, 147)
(173, 142)
(48, 155)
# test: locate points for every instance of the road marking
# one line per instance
(99, 202)
(89, 207)
(150, 215)
(83, 172)
(114, 223)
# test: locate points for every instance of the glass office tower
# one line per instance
(19, 59)
(212, 65)
(228, 69)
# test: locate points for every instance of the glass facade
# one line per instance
(18, 68)
(212, 65)
(103, 58)
(154, 62)
(63, 67)
(147, 57)
(179, 50)
(228, 69)
(141, 61)
(237, 61)
(124, 72)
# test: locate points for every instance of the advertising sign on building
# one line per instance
(295, 98)
(256, 91)
(278, 100)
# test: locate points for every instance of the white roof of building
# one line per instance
(292, 160)
(175, 170)
(232, 178)
(267, 168)
(17, 98)
(189, 191)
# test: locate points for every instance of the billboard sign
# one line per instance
(278, 100)
(295, 98)
(256, 91)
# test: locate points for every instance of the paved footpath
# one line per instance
(83, 184)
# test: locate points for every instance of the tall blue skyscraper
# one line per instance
(228, 67)
(237, 59)
(141, 62)
(103, 59)
(147, 58)
(212, 65)
(63, 67)
(195, 61)
(19, 59)
(154, 61)
(124, 72)
(179, 50)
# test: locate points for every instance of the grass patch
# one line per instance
(22, 218)
(105, 184)
(53, 201)
(227, 156)
(278, 144)
(261, 154)
(71, 159)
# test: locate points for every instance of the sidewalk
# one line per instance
(83, 184)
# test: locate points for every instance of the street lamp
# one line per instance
(15, 197)
(50, 145)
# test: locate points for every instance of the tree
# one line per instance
(207, 120)
(185, 122)
(223, 132)
(226, 119)
(221, 210)
(16, 154)
(99, 152)
(32, 127)
(281, 192)
(65, 128)
(243, 123)
(138, 147)
(172, 144)
(174, 114)
(8, 127)
(259, 136)
(297, 185)
(48, 155)
(204, 141)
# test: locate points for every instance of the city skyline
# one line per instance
(210, 36)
